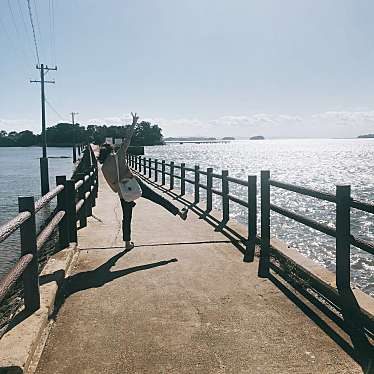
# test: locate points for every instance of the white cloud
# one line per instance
(18, 125)
(346, 118)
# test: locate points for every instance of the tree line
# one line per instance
(66, 134)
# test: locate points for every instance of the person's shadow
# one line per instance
(95, 278)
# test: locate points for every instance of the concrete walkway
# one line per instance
(182, 301)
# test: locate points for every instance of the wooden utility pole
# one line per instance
(44, 177)
(74, 140)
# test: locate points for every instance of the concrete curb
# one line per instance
(17, 346)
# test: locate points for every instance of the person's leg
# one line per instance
(151, 195)
(126, 220)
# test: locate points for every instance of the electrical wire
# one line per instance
(33, 32)
(38, 25)
(24, 26)
(20, 44)
(54, 110)
(52, 31)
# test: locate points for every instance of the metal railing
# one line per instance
(342, 199)
(149, 167)
(75, 200)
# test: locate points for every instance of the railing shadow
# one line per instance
(160, 244)
(360, 349)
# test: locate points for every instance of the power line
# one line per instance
(33, 32)
(17, 31)
(54, 110)
(24, 26)
(52, 30)
(37, 22)
(13, 19)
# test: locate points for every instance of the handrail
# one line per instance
(12, 276)
(360, 205)
(8, 228)
(238, 181)
(47, 231)
(48, 197)
(304, 191)
(78, 184)
(65, 219)
(304, 220)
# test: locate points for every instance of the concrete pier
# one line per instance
(182, 301)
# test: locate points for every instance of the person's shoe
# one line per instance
(129, 245)
(183, 213)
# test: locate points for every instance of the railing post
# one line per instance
(96, 182)
(30, 276)
(139, 164)
(263, 270)
(71, 211)
(163, 172)
(156, 170)
(144, 166)
(183, 179)
(225, 196)
(63, 226)
(74, 154)
(82, 214)
(197, 184)
(149, 168)
(343, 232)
(171, 175)
(252, 219)
(92, 184)
(44, 175)
(209, 185)
(79, 150)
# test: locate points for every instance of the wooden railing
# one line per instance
(75, 199)
(342, 199)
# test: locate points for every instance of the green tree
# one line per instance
(26, 138)
(147, 134)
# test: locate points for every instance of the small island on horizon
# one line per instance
(367, 136)
(257, 137)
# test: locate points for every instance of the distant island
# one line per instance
(366, 136)
(257, 137)
(189, 139)
(228, 138)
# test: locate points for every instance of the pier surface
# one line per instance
(182, 301)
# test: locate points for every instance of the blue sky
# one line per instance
(207, 67)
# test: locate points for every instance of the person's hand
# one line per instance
(134, 118)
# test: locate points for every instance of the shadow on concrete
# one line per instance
(96, 278)
(360, 350)
(355, 343)
(82, 281)
(161, 244)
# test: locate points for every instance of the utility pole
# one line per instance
(74, 146)
(44, 177)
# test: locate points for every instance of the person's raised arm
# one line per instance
(130, 132)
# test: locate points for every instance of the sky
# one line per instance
(278, 68)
